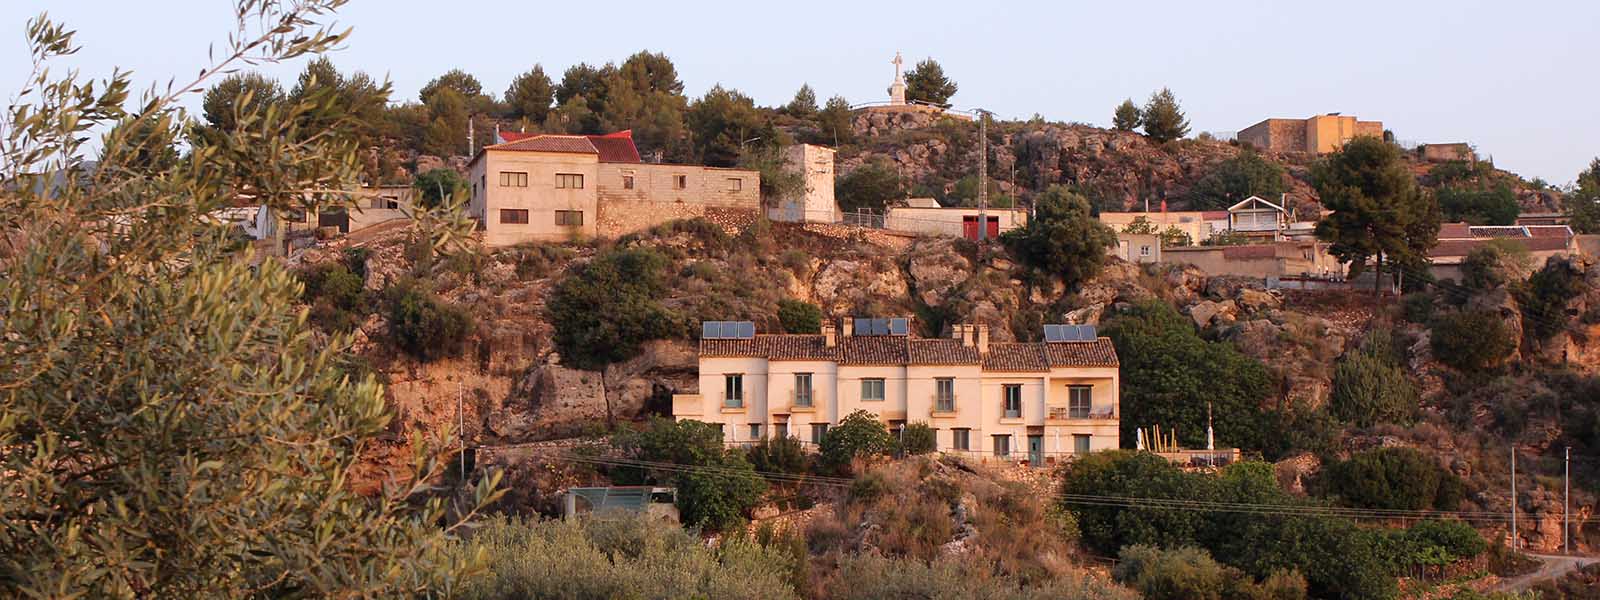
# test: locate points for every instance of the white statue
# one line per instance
(897, 90)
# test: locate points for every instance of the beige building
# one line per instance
(1199, 225)
(1320, 134)
(560, 187)
(1137, 247)
(814, 202)
(1037, 401)
(926, 217)
(1277, 259)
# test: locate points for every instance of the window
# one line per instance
(1002, 446)
(755, 431)
(944, 394)
(627, 182)
(735, 184)
(963, 439)
(733, 390)
(569, 218)
(1144, 250)
(802, 389)
(872, 390)
(818, 431)
(1013, 400)
(1079, 401)
(1080, 443)
(565, 181)
(780, 430)
(513, 179)
(680, 181)
(514, 216)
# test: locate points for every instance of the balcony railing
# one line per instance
(732, 401)
(1063, 413)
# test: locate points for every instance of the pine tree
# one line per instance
(1163, 117)
(804, 104)
(1379, 213)
(1128, 117)
(926, 82)
(530, 94)
(834, 121)
(1583, 203)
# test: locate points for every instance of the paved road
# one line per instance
(1555, 565)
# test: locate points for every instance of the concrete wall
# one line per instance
(1137, 247)
(1319, 134)
(1276, 135)
(947, 221)
(540, 198)
(815, 201)
(1193, 223)
(656, 197)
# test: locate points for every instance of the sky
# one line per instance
(1516, 79)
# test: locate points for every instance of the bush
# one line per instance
(859, 435)
(1367, 390)
(1471, 341)
(422, 325)
(779, 455)
(1497, 206)
(1247, 174)
(799, 317)
(337, 296)
(1417, 308)
(918, 438)
(1187, 574)
(872, 577)
(716, 498)
(870, 186)
(605, 310)
(1062, 240)
(616, 558)
(1494, 264)
(1544, 298)
(1392, 478)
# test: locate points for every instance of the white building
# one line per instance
(1039, 401)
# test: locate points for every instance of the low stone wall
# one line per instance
(622, 217)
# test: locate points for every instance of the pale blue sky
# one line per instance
(1518, 79)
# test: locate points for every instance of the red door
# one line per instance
(969, 227)
(994, 227)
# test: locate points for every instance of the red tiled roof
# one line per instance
(941, 352)
(575, 144)
(1251, 251)
(1455, 231)
(1543, 231)
(1214, 215)
(616, 147)
(1099, 353)
(873, 350)
(512, 136)
(770, 347)
(1015, 356)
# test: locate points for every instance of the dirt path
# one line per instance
(1555, 566)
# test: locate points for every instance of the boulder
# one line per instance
(1257, 301)
(1207, 313)
(1223, 287)
(936, 268)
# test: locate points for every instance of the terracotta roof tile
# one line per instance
(1463, 247)
(1098, 353)
(941, 352)
(1542, 231)
(1015, 356)
(771, 347)
(616, 147)
(575, 144)
(873, 350)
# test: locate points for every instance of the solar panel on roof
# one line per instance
(899, 327)
(863, 326)
(880, 327)
(1054, 333)
(1090, 332)
(744, 330)
(710, 330)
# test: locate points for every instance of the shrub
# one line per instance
(715, 498)
(1494, 264)
(871, 577)
(1456, 538)
(1496, 206)
(1417, 308)
(1367, 390)
(422, 325)
(1246, 174)
(796, 260)
(1062, 240)
(1471, 341)
(337, 296)
(605, 310)
(616, 558)
(858, 435)
(869, 187)
(799, 317)
(779, 455)
(1392, 478)
(917, 438)
(1181, 574)
(1544, 298)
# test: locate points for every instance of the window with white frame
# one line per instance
(1080, 400)
(1013, 400)
(802, 389)
(962, 439)
(733, 390)
(944, 394)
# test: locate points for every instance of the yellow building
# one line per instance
(1320, 134)
(1039, 401)
(559, 187)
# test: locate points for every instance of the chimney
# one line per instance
(983, 338)
(829, 335)
(847, 326)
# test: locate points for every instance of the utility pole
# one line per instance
(1566, 499)
(983, 175)
(470, 142)
(461, 423)
(1513, 496)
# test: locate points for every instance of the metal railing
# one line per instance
(1067, 412)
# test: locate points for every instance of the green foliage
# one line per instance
(239, 94)
(1459, 171)
(605, 309)
(872, 577)
(1062, 239)
(834, 121)
(1471, 341)
(717, 497)
(799, 316)
(1378, 210)
(446, 131)
(1457, 538)
(1163, 117)
(1175, 238)
(616, 557)
(1392, 478)
(170, 427)
(1368, 390)
(1140, 225)
(858, 435)
(337, 296)
(422, 324)
(780, 455)
(725, 123)
(1582, 203)
(804, 104)
(917, 438)
(530, 94)
(1128, 117)
(1191, 574)
(870, 186)
(437, 186)
(926, 82)
(456, 80)
(1170, 374)
(1226, 238)
(1497, 206)
(778, 179)
(1494, 264)
(1242, 176)
(1544, 299)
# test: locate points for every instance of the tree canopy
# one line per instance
(1479, 206)
(1128, 117)
(926, 82)
(1234, 179)
(605, 309)
(869, 186)
(530, 94)
(1062, 240)
(222, 102)
(1582, 203)
(1379, 213)
(726, 123)
(804, 104)
(1163, 117)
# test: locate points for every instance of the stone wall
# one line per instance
(657, 195)
(1447, 152)
(1276, 135)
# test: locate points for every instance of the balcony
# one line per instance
(1062, 413)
